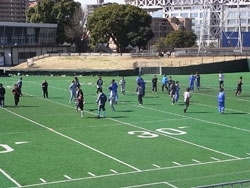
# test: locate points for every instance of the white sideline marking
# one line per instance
(42, 180)
(74, 140)
(66, 176)
(93, 175)
(215, 159)
(149, 184)
(10, 178)
(248, 153)
(177, 163)
(157, 166)
(196, 161)
(149, 170)
(113, 171)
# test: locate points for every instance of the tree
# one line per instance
(124, 24)
(67, 14)
(181, 39)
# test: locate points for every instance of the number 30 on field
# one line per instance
(147, 134)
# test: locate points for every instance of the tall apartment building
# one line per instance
(13, 10)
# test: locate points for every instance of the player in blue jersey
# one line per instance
(114, 87)
(191, 81)
(164, 82)
(221, 101)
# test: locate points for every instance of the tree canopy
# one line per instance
(180, 39)
(66, 13)
(124, 24)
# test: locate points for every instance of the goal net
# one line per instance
(151, 67)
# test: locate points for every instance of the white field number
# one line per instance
(6, 148)
(147, 134)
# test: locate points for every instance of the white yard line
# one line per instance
(182, 116)
(72, 139)
(151, 170)
(10, 178)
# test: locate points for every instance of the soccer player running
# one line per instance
(221, 80)
(221, 101)
(122, 82)
(101, 100)
(139, 91)
(99, 84)
(17, 93)
(72, 89)
(2, 93)
(154, 84)
(111, 98)
(79, 100)
(172, 92)
(164, 82)
(45, 89)
(114, 87)
(187, 97)
(20, 84)
(239, 87)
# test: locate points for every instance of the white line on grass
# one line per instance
(150, 170)
(150, 184)
(91, 174)
(157, 166)
(196, 161)
(113, 171)
(214, 158)
(177, 163)
(10, 178)
(182, 116)
(74, 140)
(66, 176)
(43, 180)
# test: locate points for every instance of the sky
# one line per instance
(89, 2)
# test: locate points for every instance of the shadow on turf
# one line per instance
(236, 113)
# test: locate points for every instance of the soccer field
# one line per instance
(45, 142)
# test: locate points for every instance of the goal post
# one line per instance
(150, 67)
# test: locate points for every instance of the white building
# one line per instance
(211, 19)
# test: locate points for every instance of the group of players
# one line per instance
(77, 95)
(168, 84)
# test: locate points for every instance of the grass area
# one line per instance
(45, 143)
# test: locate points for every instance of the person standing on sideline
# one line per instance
(221, 101)
(154, 84)
(221, 80)
(187, 97)
(17, 93)
(72, 89)
(20, 84)
(164, 82)
(45, 88)
(79, 100)
(101, 100)
(122, 82)
(2, 93)
(99, 84)
(139, 91)
(239, 87)
(198, 81)
(111, 98)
